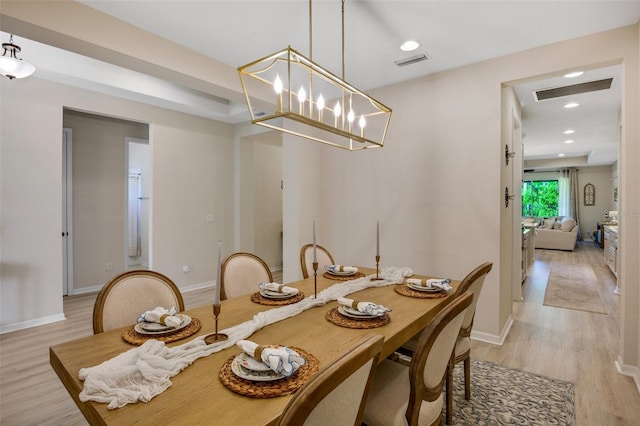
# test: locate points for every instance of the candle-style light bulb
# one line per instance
(320, 104)
(362, 122)
(277, 87)
(351, 116)
(302, 95)
(337, 110)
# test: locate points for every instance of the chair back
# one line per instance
(306, 259)
(472, 283)
(428, 368)
(337, 394)
(131, 293)
(241, 273)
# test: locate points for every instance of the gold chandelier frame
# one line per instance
(325, 108)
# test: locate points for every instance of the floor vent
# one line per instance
(411, 60)
(574, 89)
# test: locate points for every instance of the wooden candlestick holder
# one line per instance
(215, 337)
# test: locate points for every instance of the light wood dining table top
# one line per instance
(198, 397)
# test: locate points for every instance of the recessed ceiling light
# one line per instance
(569, 141)
(572, 105)
(560, 155)
(409, 45)
(569, 132)
(574, 74)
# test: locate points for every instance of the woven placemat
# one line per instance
(333, 316)
(404, 290)
(271, 389)
(343, 277)
(135, 338)
(258, 298)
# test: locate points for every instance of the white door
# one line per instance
(67, 211)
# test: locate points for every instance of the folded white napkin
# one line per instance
(161, 315)
(280, 359)
(278, 288)
(341, 268)
(442, 284)
(364, 307)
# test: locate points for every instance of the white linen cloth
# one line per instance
(280, 359)
(278, 288)
(341, 268)
(442, 284)
(145, 371)
(368, 308)
(161, 315)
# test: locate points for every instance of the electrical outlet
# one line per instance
(109, 266)
(186, 269)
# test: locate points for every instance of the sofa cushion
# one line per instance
(568, 223)
(548, 223)
(556, 225)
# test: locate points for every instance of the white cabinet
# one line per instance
(611, 248)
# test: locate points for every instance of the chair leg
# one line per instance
(467, 378)
(448, 385)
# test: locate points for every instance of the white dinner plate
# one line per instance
(418, 287)
(151, 328)
(344, 274)
(275, 295)
(255, 376)
(251, 363)
(355, 314)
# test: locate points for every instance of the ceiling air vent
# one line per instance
(574, 89)
(411, 60)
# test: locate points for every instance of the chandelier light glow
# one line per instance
(311, 102)
(10, 65)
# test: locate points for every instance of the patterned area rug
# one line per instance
(505, 396)
(574, 287)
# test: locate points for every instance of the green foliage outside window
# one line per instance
(540, 198)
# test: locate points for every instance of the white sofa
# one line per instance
(556, 233)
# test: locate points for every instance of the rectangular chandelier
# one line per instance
(308, 101)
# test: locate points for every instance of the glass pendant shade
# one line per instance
(12, 67)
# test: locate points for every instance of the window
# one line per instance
(540, 198)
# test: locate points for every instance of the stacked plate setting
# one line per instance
(269, 294)
(356, 314)
(154, 328)
(425, 289)
(339, 273)
(248, 368)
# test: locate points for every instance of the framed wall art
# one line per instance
(589, 195)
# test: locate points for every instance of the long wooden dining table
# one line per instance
(197, 396)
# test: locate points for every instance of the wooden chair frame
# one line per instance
(478, 273)
(303, 263)
(328, 378)
(98, 307)
(225, 262)
(418, 391)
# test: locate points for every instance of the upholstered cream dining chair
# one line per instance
(472, 283)
(241, 273)
(336, 394)
(413, 395)
(131, 293)
(306, 259)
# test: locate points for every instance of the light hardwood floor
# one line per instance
(570, 345)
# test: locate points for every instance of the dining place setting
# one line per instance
(276, 294)
(424, 288)
(352, 313)
(342, 272)
(163, 324)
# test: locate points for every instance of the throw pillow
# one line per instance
(556, 225)
(548, 223)
(568, 224)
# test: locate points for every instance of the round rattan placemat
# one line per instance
(333, 316)
(135, 338)
(343, 277)
(259, 299)
(404, 290)
(274, 388)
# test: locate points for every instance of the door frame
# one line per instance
(67, 211)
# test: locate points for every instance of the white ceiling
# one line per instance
(451, 33)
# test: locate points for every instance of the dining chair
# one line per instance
(412, 395)
(131, 293)
(306, 259)
(472, 283)
(336, 394)
(241, 273)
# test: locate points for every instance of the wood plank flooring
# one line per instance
(570, 345)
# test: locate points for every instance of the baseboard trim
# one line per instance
(85, 290)
(628, 370)
(31, 323)
(199, 286)
(493, 338)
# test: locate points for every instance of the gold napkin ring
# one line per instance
(354, 304)
(280, 287)
(162, 317)
(257, 353)
(341, 268)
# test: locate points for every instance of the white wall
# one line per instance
(601, 178)
(192, 161)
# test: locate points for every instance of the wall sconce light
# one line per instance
(508, 154)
